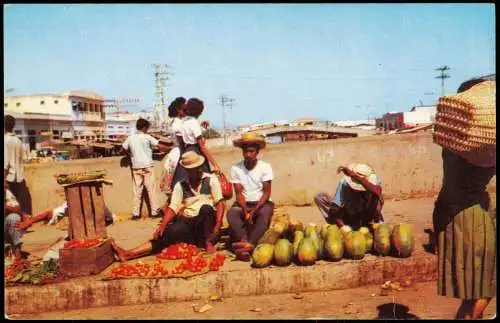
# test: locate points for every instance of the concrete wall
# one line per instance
(409, 166)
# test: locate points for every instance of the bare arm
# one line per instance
(206, 153)
(12, 209)
(238, 188)
(167, 218)
(375, 189)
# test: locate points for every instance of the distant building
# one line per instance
(418, 115)
(120, 124)
(304, 121)
(71, 115)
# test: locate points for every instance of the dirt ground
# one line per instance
(414, 302)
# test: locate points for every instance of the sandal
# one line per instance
(243, 245)
(242, 255)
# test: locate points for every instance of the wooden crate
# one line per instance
(86, 210)
(86, 261)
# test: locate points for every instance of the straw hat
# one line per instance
(466, 122)
(191, 160)
(363, 171)
(250, 138)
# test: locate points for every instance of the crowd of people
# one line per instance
(465, 232)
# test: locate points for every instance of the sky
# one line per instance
(278, 61)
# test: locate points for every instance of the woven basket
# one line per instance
(466, 122)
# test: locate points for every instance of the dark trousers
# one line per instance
(241, 229)
(20, 191)
(189, 230)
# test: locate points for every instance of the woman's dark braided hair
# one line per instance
(176, 106)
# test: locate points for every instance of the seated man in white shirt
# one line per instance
(251, 214)
(194, 215)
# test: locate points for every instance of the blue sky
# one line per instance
(282, 61)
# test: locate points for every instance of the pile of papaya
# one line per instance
(290, 241)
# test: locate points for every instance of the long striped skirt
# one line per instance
(467, 256)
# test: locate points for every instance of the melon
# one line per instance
(333, 227)
(296, 225)
(262, 255)
(324, 231)
(355, 245)
(334, 247)
(364, 230)
(369, 241)
(382, 240)
(343, 232)
(283, 252)
(402, 240)
(320, 248)
(279, 227)
(310, 229)
(297, 238)
(269, 237)
(307, 253)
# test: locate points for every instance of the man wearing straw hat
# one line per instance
(465, 229)
(357, 202)
(250, 215)
(194, 214)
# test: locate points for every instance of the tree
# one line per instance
(211, 133)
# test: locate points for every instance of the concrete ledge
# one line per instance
(81, 294)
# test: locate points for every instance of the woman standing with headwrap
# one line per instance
(465, 229)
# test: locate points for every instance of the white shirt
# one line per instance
(191, 129)
(252, 180)
(141, 149)
(13, 158)
(176, 130)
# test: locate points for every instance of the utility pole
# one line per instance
(222, 101)
(443, 76)
(161, 75)
(230, 104)
(226, 103)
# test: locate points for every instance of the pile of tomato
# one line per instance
(16, 267)
(178, 251)
(191, 264)
(81, 244)
(217, 262)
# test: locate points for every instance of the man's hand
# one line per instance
(159, 232)
(345, 170)
(216, 231)
(249, 215)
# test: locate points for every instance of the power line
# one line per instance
(443, 76)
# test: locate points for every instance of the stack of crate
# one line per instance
(86, 221)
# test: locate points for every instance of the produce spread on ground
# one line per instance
(288, 241)
(24, 272)
(180, 260)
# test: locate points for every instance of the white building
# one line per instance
(358, 124)
(420, 116)
(122, 124)
(66, 116)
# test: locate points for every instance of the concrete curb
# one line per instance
(324, 276)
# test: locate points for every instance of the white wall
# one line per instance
(419, 116)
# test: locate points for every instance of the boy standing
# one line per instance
(140, 147)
